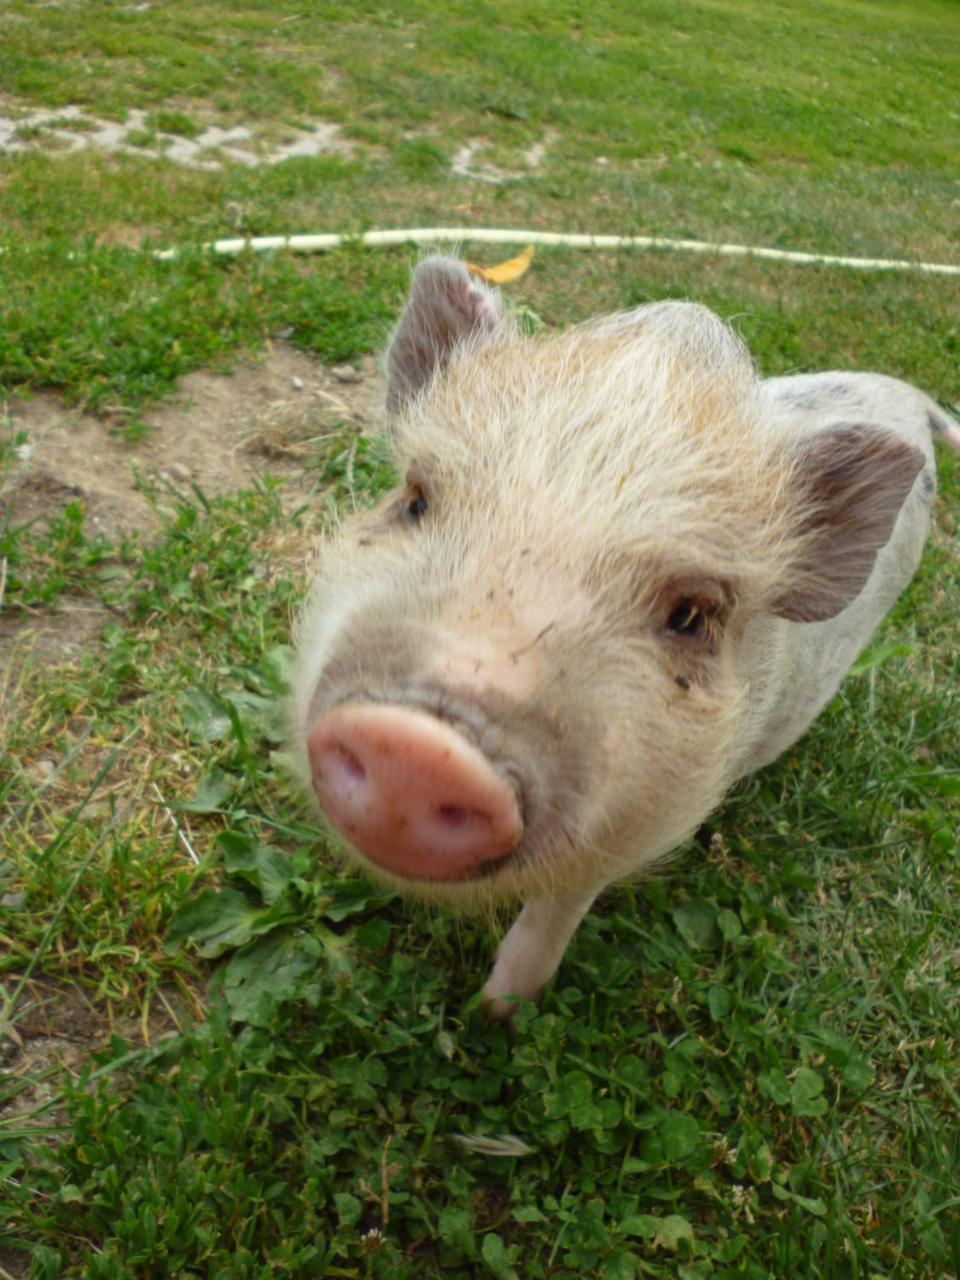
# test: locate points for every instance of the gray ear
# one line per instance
(446, 306)
(851, 483)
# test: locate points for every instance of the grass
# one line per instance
(755, 123)
(746, 1068)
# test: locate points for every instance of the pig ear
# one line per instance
(446, 306)
(852, 482)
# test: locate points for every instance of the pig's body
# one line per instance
(797, 667)
(621, 574)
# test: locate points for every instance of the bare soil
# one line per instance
(65, 130)
(219, 433)
(212, 433)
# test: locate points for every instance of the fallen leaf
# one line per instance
(504, 272)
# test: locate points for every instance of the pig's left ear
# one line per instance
(850, 482)
(446, 306)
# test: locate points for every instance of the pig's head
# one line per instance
(521, 671)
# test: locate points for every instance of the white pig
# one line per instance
(621, 572)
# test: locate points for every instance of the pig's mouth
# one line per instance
(424, 787)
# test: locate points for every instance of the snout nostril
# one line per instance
(456, 816)
(350, 764)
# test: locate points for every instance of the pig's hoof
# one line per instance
(498, 1010)
(500, 1004)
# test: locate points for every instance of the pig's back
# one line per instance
(795, 668)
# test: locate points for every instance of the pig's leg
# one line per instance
(531, 950)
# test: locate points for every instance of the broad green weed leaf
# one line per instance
(719, 1003)
(266, 869)
(680, 1135)
(261, 976)
(642, 1225)
(349, 1208)
(857, 1072)
(673, 1233)
(760, 1163)
(774, 1085)
(696, 922)
(728, 922)
(205, 718)
(373, 934)
(219, 919)
(573, 1100)
(528, 1213)
(276, 666)
(350, 897)
(932, 1240)
(455, 1227)
(619, 1266)
(880, 653)
(213, 791)
(494, 1253)
(805, 1093)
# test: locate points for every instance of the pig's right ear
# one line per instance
(850, 483)
(446, 307)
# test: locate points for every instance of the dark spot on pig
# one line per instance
(820, 397)
(937, 424)
(927, 486)
(682, 681)
(518, 653)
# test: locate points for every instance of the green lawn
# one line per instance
(746, 1068)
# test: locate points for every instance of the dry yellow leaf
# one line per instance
(504, 272)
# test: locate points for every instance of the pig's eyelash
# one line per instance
(695, 620)
(687, 619)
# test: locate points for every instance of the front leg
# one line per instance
(532, 948)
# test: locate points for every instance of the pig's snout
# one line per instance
(410, 792)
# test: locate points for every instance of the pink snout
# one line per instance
(409, 792)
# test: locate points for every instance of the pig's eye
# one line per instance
(415, 505)
(689, 619)
(697, 616)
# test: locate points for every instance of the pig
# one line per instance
(620, 573)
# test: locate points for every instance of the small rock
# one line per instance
(346, 373)
(179, 471)
(296, 383)
(13, 900)
(44, 768)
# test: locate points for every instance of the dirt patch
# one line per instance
(220, 432)
(50, 638)
(213, 433)
(65, 130)
(57, 1031)
(466, 162)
